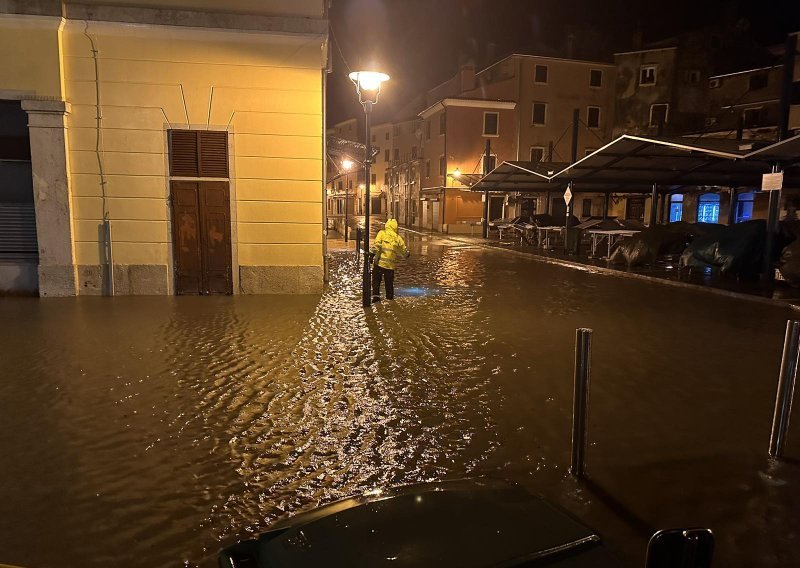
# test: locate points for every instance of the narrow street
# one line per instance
(152, 431)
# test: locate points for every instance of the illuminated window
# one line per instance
(708, 208)
(540, 74)
(647, 75)
(675, 207)
(744, 206)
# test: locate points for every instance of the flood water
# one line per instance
(146, 432)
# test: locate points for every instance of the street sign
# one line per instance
(772, 182)
(568, 196)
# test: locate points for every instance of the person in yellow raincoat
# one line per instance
(385, 250)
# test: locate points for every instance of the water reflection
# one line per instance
(152, 431)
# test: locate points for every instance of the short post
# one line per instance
(786, 380)
(580, 410)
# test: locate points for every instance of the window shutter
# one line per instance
(198, 153)
(213, 154)
(183, 159)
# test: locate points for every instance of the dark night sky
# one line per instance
(421, 42)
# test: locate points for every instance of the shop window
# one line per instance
(744, 206)
(675, 207)
(708, 208)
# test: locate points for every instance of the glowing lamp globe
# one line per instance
(368, 84)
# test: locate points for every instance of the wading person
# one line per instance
(388, 245)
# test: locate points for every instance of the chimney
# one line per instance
(467, 74)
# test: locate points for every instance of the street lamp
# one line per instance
(368, 87)
(347, 165)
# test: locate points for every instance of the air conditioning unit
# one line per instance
(714, 83)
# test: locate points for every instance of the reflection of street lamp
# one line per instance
(347, 165)
(368, 87)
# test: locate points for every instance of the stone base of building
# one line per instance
(129, 280)
(56, 280)
(281, 279)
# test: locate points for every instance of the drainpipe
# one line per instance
(444, 177)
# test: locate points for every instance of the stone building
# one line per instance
(175, 146)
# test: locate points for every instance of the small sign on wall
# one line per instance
(568, 196)
(772, 182)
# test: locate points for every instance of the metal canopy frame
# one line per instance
(633, 164)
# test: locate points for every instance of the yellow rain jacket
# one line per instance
(388, 244)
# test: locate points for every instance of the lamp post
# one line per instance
(368, 87)
(347, 164)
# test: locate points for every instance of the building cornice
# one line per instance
(196, 19)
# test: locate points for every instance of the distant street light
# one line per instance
(368, 87)
(347, 164)
(456, 173)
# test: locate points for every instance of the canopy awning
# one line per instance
(633, 164)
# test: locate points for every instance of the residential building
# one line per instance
(454, 136)
(174, 149)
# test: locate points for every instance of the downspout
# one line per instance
(327, 69)
(108, 257)
(444, 176)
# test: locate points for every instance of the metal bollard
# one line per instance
(580, 410)
(786, 380)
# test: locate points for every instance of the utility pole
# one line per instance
(576, 116)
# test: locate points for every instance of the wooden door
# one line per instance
(201, 237)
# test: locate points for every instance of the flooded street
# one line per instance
(141, 432)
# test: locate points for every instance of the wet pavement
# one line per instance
(153, 431)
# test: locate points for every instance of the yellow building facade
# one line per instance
(106, 86)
